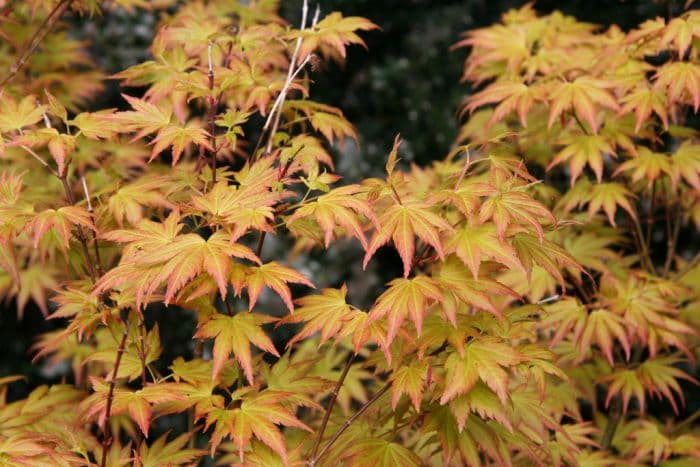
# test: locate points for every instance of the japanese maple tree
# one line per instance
(546, 305)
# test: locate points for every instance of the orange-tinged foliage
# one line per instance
(534, 322)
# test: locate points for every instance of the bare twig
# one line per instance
(107, 429)
(96, 246)
(348, 422)
(331, 403)
(41, 32)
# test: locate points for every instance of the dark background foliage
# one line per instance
(406, 82)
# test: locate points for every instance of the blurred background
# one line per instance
(406, 82)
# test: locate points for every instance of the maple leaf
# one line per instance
(130, 200)
(509, 96)
(60, 221)
(643, 101)
(334, 31)
(473, 244)
(405, 298)
(581, 149)
(677, 78)
(293, 375)
(235, 334)
(257, 416)
(483, 359)
(179, 138)
(685, 163)
(382, 453)
(146, 118)
(410, 380)
(400, 223)
(161, 452)
(138, 404)
(459, 286)
(17, 115)
(647, 165)
(581, 96)
(341, 206)
(327, 120)
(96, 125)
(545, 253)
(625, 383)
(681, 32)
(507, 206)
(660, 378)
(275, 276)
(608, 196)
(173, 259)
(604, 327)
(328, 313)
(245, 207)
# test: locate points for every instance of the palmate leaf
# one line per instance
(341, 206)
(604, 328)
(545, 253)
(138, 404)
(155, 254)
(458, 286)
(678, 80)
(410, 380)
(241, 208)
(327, 313)
(401, 223)
(581, 97)
(334, 31)
(405, 298)
(581, 150)
(474, 244)
(235, 334)
(643, 101)
(483, 359)
(161, 452)
(646, 165)
(607, 197)
(16, 115)
(506, 207)
(681, 32)
(256, 417)
(509, 96)
(382, 453)
(60, 221)
(274, 276)
(685, 164)
(130, 200)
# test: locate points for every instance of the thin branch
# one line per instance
(80, 233)
(349, 422)
(107, 429)
(331, 403)
(213, 106)
(96, 246)
(273, 118)
(46, 26)
(38, 158)
(673, 241)
(613, 422)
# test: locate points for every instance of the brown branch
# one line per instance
(331, 403)
(349, 422)
(213, 106)
(41, 32)
(613, 422)
(80, 233)
(672, 241)
(96, 246)
(107, 429)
